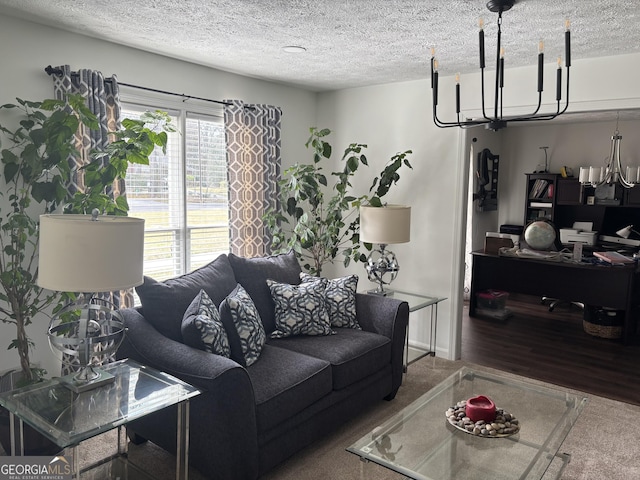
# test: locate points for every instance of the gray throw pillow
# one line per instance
(340, 299)
(202, 328)
(300, 309)
(164, 303)
(252, 274)
(238, 312)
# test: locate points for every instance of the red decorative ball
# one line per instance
(481, 408)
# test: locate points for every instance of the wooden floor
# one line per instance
(553, 347)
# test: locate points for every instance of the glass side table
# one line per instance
(416, 302)
(67, 418)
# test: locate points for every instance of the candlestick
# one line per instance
(559, 80)
(567, 43)
(481, 42)
(457, 93)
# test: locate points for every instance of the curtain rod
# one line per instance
(56, 71)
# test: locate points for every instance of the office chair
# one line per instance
(554, 302)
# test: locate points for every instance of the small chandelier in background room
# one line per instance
(498, 121)
(612, 172)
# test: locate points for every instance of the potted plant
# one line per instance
(34, 155)
(35, 171)
(319, 227)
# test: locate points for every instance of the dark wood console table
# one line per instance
(611, 286)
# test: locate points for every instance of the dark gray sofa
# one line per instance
(250, 419)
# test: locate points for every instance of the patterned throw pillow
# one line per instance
(340, 299)
(240, 309)
(299, 309)
(202, 329)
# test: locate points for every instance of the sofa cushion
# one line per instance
(353, 354)
(252, 274)
(299, 309)
(340, 299)
(164, 303)
(239, 313)
(202, 329)
(285, 383)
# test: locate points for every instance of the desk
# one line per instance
(602, 285)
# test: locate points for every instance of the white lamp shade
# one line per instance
(385, 225)
(78, 254)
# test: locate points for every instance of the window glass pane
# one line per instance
(206, 182)
(182, 195)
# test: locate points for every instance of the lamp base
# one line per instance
(382, 293)
(74, 382)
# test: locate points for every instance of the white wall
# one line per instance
(28, 48)
(392, 118)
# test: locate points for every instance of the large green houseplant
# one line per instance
(318, 224)
(36, 142)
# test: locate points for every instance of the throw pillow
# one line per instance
(340, 299)
(202, 328)
(238, 312)
(300, 309)
(252, 274)
(164, 303)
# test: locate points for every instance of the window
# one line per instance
(182, 195)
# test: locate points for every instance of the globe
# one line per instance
(540, 235)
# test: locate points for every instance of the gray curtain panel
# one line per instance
(254, 162)
(102, 97)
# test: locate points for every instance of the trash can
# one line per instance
(603, 322)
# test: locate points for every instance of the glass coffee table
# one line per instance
(419, 442)
(68, 418)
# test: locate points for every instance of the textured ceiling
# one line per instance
(349, 42)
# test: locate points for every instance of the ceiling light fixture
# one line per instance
(294, 49)
(612, 172)
(498, 121)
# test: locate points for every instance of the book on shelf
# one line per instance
(540, 204)
(614, 258)
(541, 188)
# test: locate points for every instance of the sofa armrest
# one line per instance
(226, 406)
(389, 317)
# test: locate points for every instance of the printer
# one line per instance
(580, 233)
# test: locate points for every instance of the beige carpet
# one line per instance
(603, 443)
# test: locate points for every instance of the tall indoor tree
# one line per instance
(36, 142)
(317, 223)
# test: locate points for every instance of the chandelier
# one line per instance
(612, 172)
(497, 120)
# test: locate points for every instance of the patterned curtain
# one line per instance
(102, 97)
(254, 160)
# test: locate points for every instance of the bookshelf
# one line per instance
(541, 192)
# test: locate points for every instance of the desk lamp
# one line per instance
(88, 253)
(627, 231)
(383, 226)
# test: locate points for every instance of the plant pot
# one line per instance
(34, 442)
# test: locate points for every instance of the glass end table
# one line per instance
(419, 443)
(67, 418)
(417, 302)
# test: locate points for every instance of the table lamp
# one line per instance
(88, 254)
(626, 231)
(383, 226)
